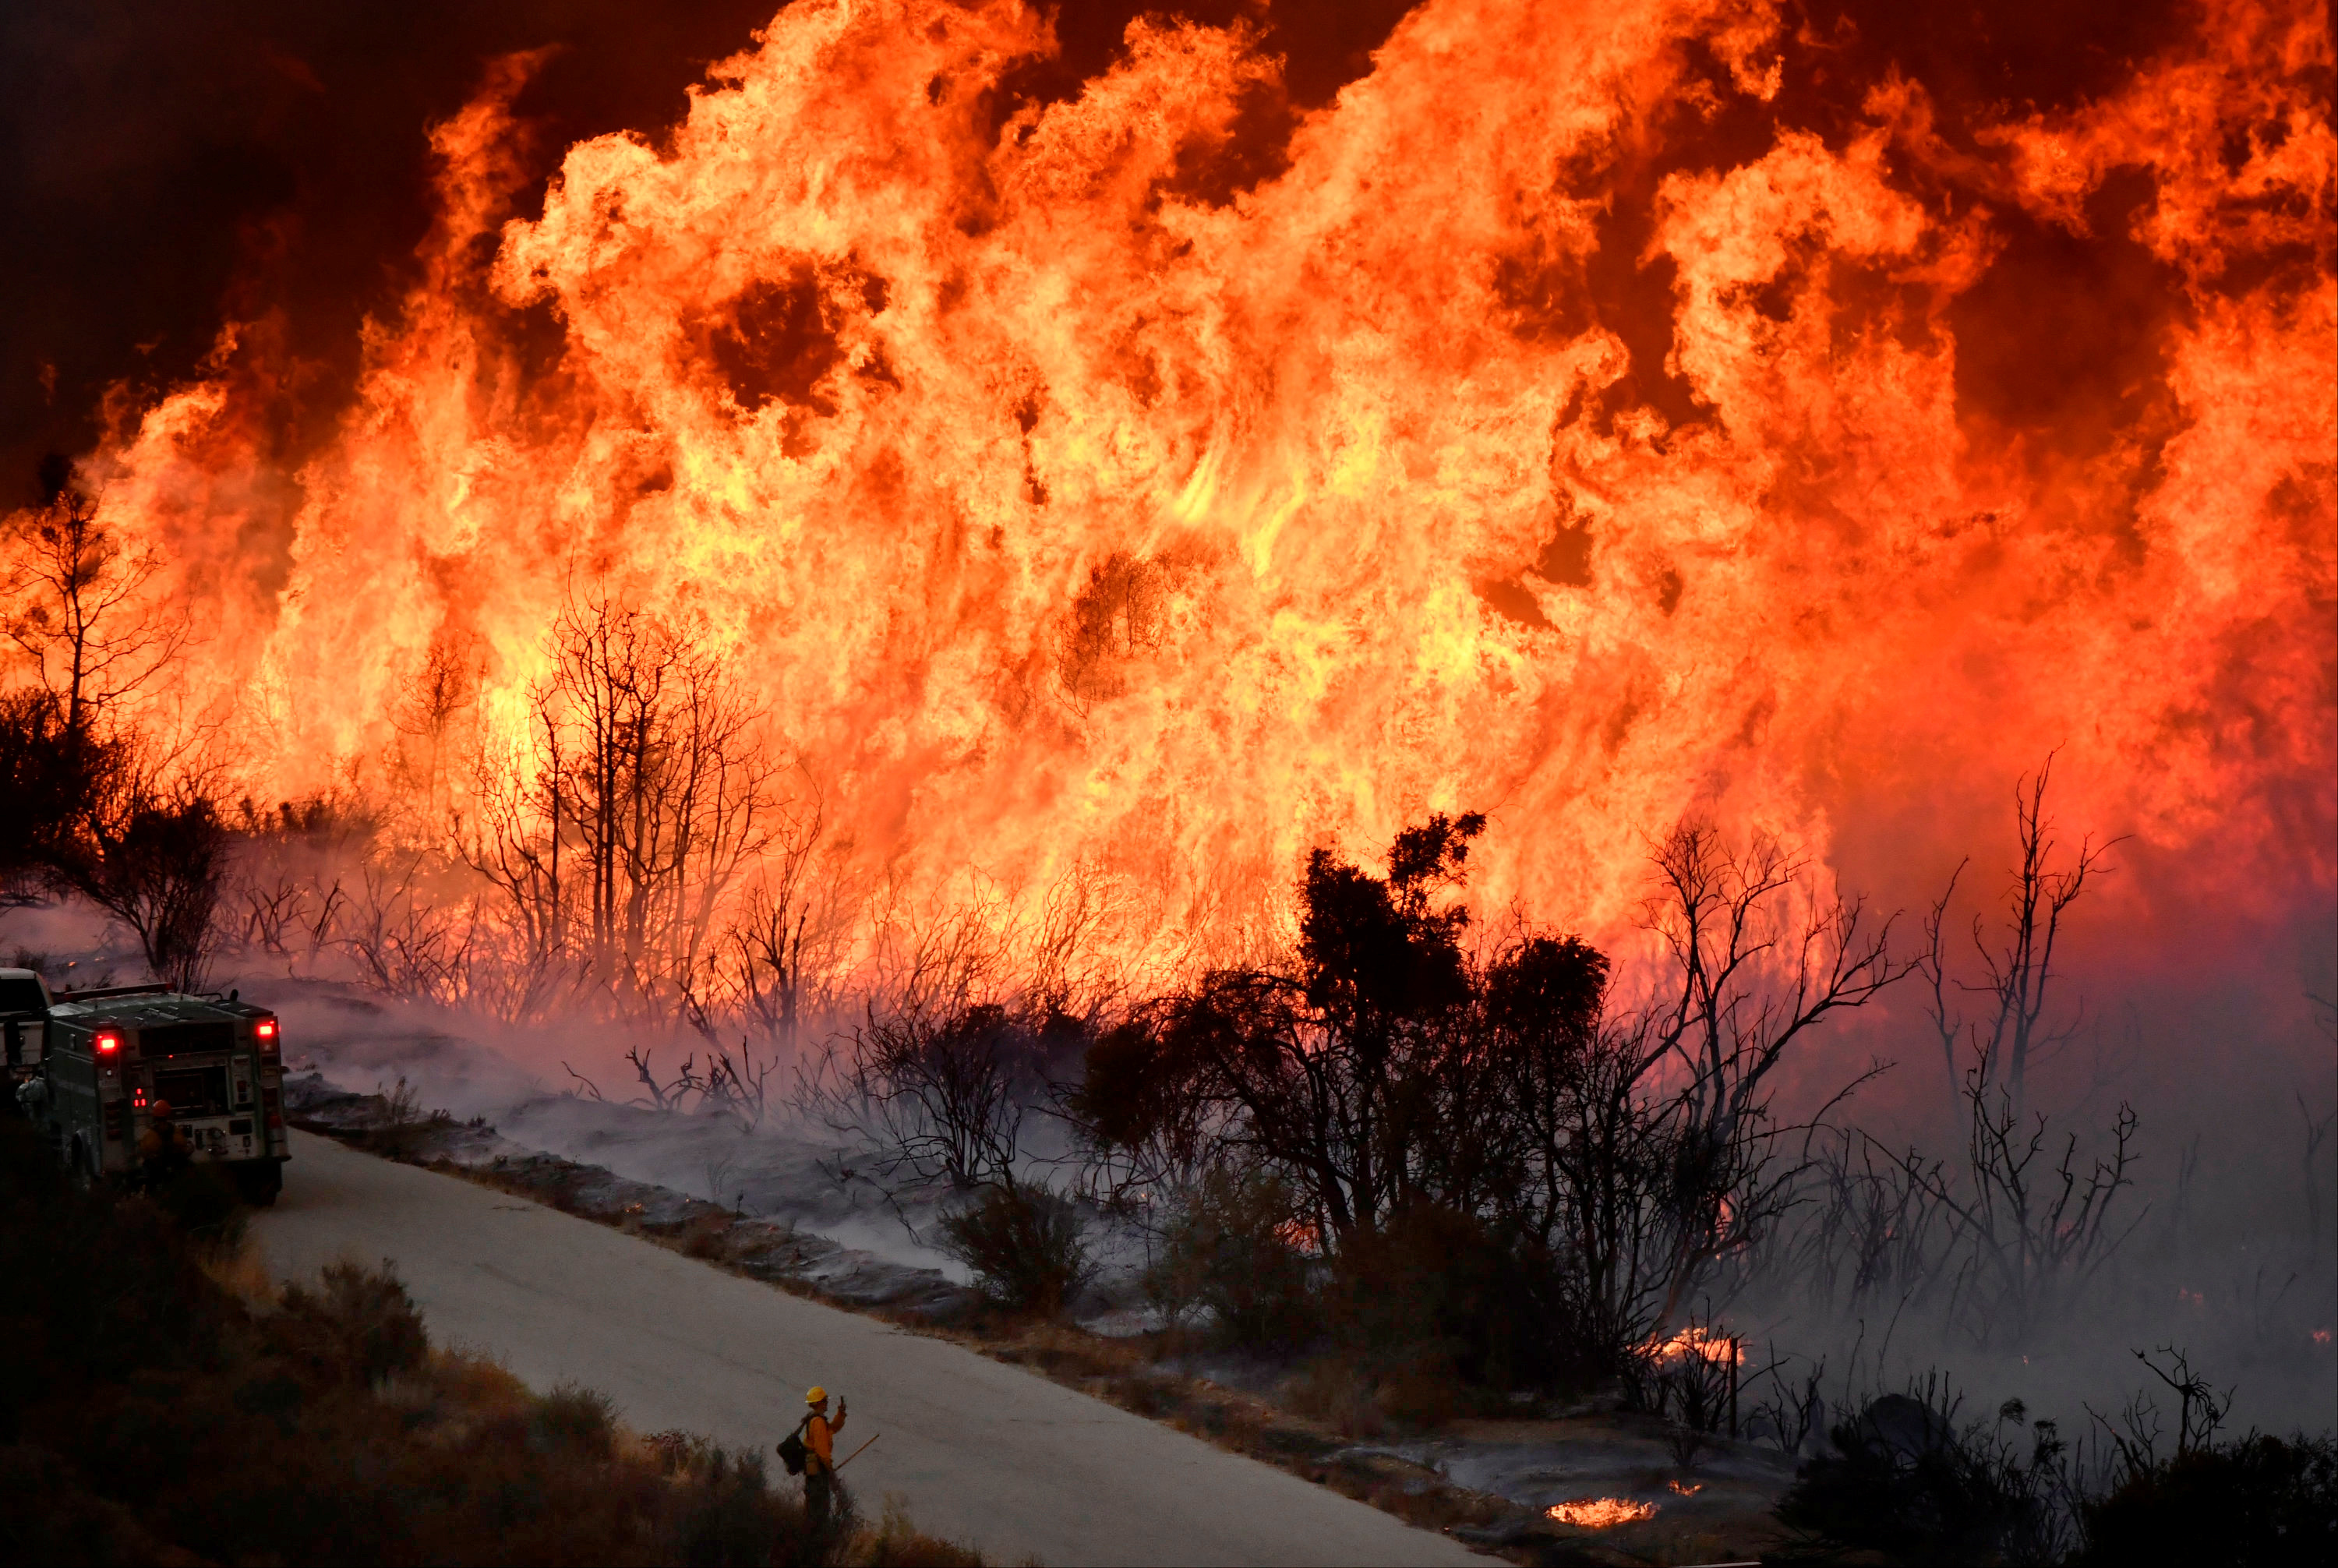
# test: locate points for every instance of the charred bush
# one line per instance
(1024, 1246)
(204, 1202)
(89, 812)
(1335, 1390)
(156, 859)
(81, 1275)
(1139, 1115)
(48, 775)
(729, 1517)
(1501, 1171)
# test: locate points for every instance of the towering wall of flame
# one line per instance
(1081, 487)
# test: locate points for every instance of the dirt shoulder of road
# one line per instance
(1722, 1513)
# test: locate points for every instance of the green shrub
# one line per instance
(1024, 1246)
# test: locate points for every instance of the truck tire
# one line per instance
(259, 1184)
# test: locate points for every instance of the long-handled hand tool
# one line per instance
(857, 1453)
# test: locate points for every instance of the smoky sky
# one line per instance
(168, 167)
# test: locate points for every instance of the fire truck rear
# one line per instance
(108, 1057)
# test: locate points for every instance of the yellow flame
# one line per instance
(1601, 1513)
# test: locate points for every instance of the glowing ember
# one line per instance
(1601, 1513)
(1686, 1489)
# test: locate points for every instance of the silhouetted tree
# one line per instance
(74, 599)
(1330, 1075)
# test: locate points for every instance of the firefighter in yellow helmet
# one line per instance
(820, 1456)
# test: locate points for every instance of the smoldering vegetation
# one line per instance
(1422, 1164)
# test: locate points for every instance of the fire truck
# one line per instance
(105, 1057)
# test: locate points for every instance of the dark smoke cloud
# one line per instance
(164, 167)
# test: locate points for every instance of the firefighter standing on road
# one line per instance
(820, 1456)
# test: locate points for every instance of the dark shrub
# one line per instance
(730, 1518)
(1230, 1251)
(358, 1321)
(1904, 1480)
(203, 1200)
(572, 1416)
(1439, 1285)
(1024, 1245)
(2261, 1503)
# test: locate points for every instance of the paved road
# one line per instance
(985, 1454)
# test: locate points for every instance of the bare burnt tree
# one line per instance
(764, 965)
(944, 1099)
(2025, 1219)
(155, 857)
(511, 840)
(1758, 962)
(2017, 964)
(639, 800)
(665, 793)
(76, 600)
(1873, 1228)
(428, 718)
(2038, 1228)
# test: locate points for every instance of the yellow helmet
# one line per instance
(816, 1396)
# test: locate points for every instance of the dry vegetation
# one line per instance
(167, 1406)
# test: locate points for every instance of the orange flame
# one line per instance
(1601, 1513)
(1698, 1342)
(1077, 518)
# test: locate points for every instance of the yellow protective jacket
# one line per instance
(819, 1444)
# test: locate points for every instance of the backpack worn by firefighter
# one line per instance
(791, 1447)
